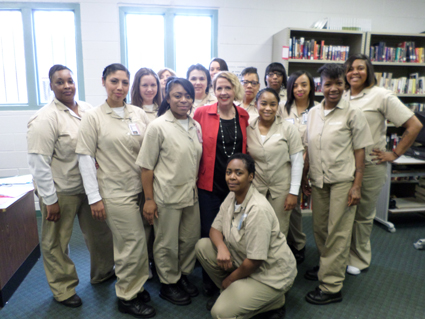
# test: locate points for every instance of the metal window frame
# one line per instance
(169, 40)
(27, 9)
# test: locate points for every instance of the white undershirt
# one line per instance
(87, 167)
(327, 112)
(197, 102)
(237, 206)
(297, 164)
(263, 138)
(149, 107)
(184, 123)
(40, 169)
(119, 111)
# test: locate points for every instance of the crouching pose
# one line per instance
(246, 255)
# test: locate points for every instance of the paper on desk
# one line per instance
(23, 179)
(15, 190)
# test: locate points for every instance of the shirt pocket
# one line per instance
(65, 146)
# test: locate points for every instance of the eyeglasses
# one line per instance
(277, 73)
(253, 83)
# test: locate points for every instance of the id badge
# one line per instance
(198, 132)
(305, 117)
(134, 129)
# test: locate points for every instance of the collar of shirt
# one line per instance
(128, 112)
(245, 201)
(154, 110)
(363, 92)
(63, 107)
(169, 117)
(341, 105)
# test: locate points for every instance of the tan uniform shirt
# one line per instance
(300, 122)
(378, 105)
(251, 109)
(252, 231)
(332, 140)
(283, 98)
(53, 132)
(207, 100)
(272, 158)
(151, 114)
(115, 143)
(174, 155)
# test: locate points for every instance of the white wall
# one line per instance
(245, 35)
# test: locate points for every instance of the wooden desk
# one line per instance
(19, 245)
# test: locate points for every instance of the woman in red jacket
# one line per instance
(224, 134)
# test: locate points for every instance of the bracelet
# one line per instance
(396, 154)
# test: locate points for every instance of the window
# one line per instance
(33, 37)
(167, 37)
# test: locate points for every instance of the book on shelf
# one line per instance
(317, 84)
(316, 50)
(404, 52)
(414, 84)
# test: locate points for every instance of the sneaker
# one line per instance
(420, 244)
(353, 270)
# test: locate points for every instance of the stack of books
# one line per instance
(316, 50)
(404, 52)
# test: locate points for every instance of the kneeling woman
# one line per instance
(246, 255)
(170, 158)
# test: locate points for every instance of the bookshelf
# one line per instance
(399, 69)
(355, 40)
(402, 175)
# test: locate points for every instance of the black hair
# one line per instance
(221, 62)
(246, 159)
(370, 79)
(332, 71)
(171, 81)
(257, 97)
(276, 67)
(290, 90)
(55, 68)
(112, 68)
(200, 67)
(249, 70)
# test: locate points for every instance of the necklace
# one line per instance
(222, 138)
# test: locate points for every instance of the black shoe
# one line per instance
(274, 314)
(136, 308)
(144, 296)
(186, 285)
(174, 294)
(73, 302)
(210, 289)
(212, 300)
(312, 273)
(318, 297)
(298, 254)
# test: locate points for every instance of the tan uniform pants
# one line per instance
(130, 254)
(176, 234)
(278, 205)
(296, 238)
(332, 225)
(55, 236)
(373, 180)
(244, 298)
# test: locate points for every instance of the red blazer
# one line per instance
(210, 122)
